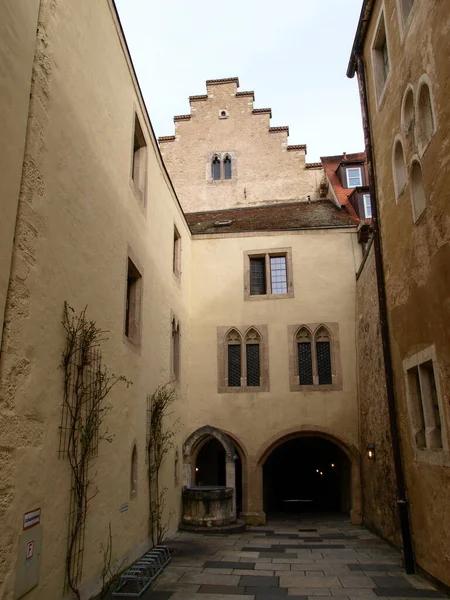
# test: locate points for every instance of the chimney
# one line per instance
(345, 155)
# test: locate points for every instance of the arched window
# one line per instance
(425, 118)
(134, 472)
(176, 468)
(234, 344)
(418, 190)
(304, 356)
(253, 358)
(323, 356)
(216, 168)
(175, 350)
(408, 112)
(400, 174)
(227, 167)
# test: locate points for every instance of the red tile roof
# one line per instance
(275, 217)
(331, 165)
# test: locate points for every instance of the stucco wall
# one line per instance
(377, 476)
(324, 291)
(18, 22)
(264, 170)
(417, 255)
(77, 216)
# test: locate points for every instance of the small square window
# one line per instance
(133, 304)
(354, 177)
(268, 274)
(367, 206)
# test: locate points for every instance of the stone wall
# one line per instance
(377, 476)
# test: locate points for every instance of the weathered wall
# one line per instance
(77, 216)
(377, 476)
(417, 255)
(264, 170)
(325, 294)
(18, 21)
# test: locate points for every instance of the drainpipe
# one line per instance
(402, 503)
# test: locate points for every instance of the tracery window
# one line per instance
(216, 168)
(323, 353)
(304, 357)
(221, 166)
(227, 167)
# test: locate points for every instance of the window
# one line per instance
(408, 112)
(400, 175)
(216, 168)
(242, 359)
(176, 259)
(314, 357)
(139, 163)
(354, 177)
(425, 118)
(227, 167)
(424, 402)
(134, 473)
(380, 53)
(419, 199)
(367, 206)
(268, 274)
(133, 304)
(175, 348)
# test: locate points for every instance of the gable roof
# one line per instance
(274, 217)
(331, 165)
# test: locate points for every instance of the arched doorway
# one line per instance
(309, 470)
(306, 475)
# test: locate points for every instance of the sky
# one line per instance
(293, 53)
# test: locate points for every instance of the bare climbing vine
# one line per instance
(160, 437)
(111, 568)
(87, 383)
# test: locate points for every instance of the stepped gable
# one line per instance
(295, 215)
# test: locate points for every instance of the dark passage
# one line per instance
(306, 475)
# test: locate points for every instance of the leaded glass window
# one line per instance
(253, 365)
(323, 354)
(278, 274)
(216, 168)
(258, 276)
(227, 168)
(234, 365)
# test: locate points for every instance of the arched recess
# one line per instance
(242, 479)
(216, 168)
(425, 121)
(133, 471)
(399, 168)
(408, 113)
(194, 444)
(312, 431)
(419, 200)
(227, 167)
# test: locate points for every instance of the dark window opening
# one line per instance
(227, 168)
(132, 303)
(216, 169)
(234, 365)
(324, 362)
(258, 276)
(305, 371)
(253, 365)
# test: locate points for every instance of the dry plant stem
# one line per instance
(86, 385)
(160, 437)
(111, 568)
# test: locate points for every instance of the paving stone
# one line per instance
(260, 560)
(418, 582)
(374, 567)
(205, 579)
(391, 581)
(265, 592)
(155, 595)
(356, 581)
(314, 574)
(271, 548)
(295, 580)
(278, 566)
(276, 555)
(407, 593)
(266, 573)
(361, 593)
(292, 561)
(259, 581)
(213, 571)
(310, 592)
(223, 564)
(190, 588)
(221, 589)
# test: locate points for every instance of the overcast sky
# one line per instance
(292, 53)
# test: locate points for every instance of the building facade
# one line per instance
(400, 55)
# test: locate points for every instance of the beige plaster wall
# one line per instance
(18, 22)
(417, 255)
(77, 217)
(324, 291)
(264, 171)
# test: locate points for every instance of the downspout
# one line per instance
(402, 503)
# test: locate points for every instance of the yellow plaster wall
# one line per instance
(417, 255)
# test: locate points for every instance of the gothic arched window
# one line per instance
(323, 355)
(234, 344)
(227, 167)
(253, 358)
(304, 356)
(216, 168)
(134, 472)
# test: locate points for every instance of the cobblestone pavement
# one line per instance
(300, 560)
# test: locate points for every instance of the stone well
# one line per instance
(208, 506)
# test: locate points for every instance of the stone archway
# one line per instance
(350, 451)
(194, 443)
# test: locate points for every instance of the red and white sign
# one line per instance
(30, 549)
(32, 518)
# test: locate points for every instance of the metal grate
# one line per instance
(324, 362)
(278, 274)
(305, 363)
(257, 276)
(234, 365)
(253, 368)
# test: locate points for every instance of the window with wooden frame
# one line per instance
(242, 359)
(354, 177)
(139, 162)
(268, 274)
(133, 302)
(425, 404)
(314, 357)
